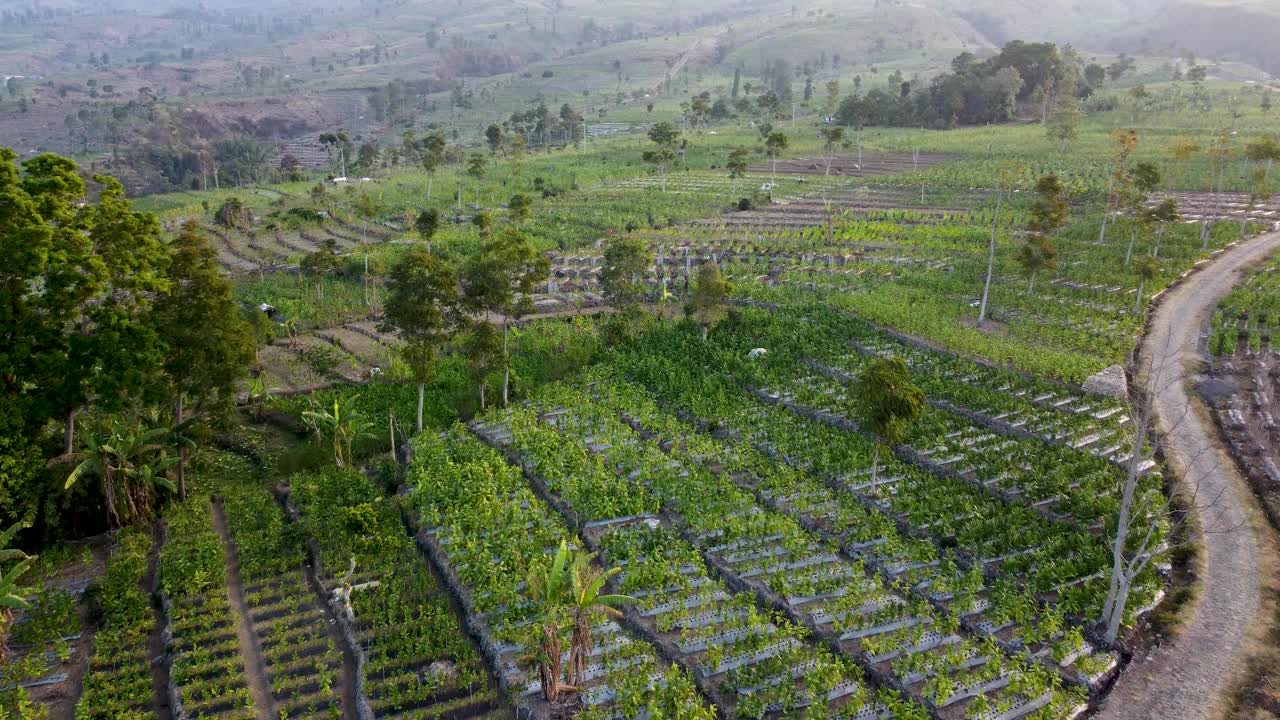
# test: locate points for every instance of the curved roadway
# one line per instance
(1192, 676)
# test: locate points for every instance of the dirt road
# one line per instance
(1190, 677)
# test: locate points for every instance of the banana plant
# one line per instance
(343, 424)
(11, 595)
(130, 462)
(550, 587)
(587, 599)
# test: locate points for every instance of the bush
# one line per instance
(744, 204)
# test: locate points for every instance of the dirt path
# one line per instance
(255, 668)
(1192, 676)
(155, 639)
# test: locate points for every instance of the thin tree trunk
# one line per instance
(1032, 287)
(1133, 236)
(430, 180)
(1106, 209)
(1137, 305)
(875, 470)
(1117, 611)
(991, 262)
(391, 428)
(182, 451)
(1155, 252)
(422, 389)
(69, 432)
(1112, 605)
(506, 371)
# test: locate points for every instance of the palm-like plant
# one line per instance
(550, 588)
(343, 424)
(130, 461)
(11, 597)
(587, 600)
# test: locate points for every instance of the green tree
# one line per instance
(432, 149)
(483, 349)
(626, 265)
(477, 164)
(493, 136)
(424, 310)
(321, 263)
(1259, 191)
(664, 136)
(736, 164)
(774, 144)
(1064, 123)
(1049, 211)
(427, 224)
(519, 207)
(1265, 149)
(208, 345)
(1164, 213)
(886, 403)
(84, 338)
(708, 304)
(499, 280)
(1146, 178)
(1036, 254)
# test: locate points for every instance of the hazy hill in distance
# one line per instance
(141, 87)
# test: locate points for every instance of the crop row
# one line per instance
(208, 662)
(117, 682)
(490, 530)
(302, 655)
(416, 660)
(1057, 561)
(899, 636)
(1249, 316)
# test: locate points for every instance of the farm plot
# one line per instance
(488, 529)
(49, 641)
(1245, 368)
(413, 658)
(1228, 206)
(931, 534)
(1061, 561)
(1006, 402)
(1058, 479)
(208, 661)
(903, 640)
(117, 683)
(867, 164)
(302, 655)
(747, 662)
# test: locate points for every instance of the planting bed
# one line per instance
(49, 643)
(301, 653)
(867, 164)
(117, 683)
(208, 662)
(1244, 384)
(902, 639)
(1230, 206)
(485, 533)
(413, 659)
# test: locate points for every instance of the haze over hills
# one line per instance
(102, 79)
